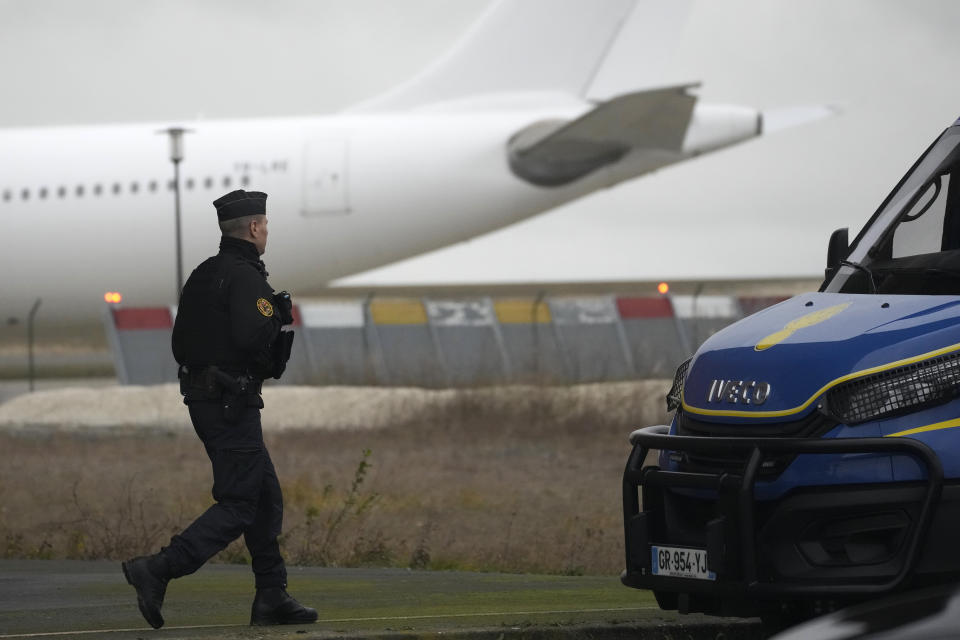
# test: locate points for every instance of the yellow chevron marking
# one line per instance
(800, 323)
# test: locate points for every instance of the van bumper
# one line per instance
(838, 543)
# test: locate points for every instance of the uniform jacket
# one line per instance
(226, 315)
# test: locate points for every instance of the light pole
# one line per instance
(176, 156)
(30, 318)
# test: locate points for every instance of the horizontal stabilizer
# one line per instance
(555, 153)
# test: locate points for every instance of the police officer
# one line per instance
(227, 338)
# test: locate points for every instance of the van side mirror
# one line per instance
(837, 250)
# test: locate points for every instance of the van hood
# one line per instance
(776, 363)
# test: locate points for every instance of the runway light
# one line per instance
(663, 288)
(112, 297)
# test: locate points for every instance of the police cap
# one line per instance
(239, 203)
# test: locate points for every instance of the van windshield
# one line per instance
(911, 245)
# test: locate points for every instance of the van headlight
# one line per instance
(896, 391)
(675, 395)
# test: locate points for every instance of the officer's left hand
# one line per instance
(284, 306)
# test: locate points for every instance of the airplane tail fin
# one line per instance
(554, 46)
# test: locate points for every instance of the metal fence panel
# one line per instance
(654, 334)
(337, 345)
(406, 343)
(339, 355)
(590, 333)
(142, 352)
(530, 340)
(468, 339)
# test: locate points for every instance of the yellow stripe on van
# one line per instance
(936, 426)
(398, 312)
(522, 311)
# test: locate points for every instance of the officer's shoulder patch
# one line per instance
(264, 307)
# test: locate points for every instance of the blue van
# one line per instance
(813, 458)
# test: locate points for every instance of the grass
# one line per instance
(59, 597)
(526, 486)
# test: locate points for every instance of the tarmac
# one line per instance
(63, 599)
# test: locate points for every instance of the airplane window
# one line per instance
(207, 183)
(61, 191)
(97, 189)
(189, 183)
(226, 182)
(43, 193)
(245, 181)
(152, 186)
(116, 188)
(7, 195)
(25, 194)
(169, 185)
(79, 191)
(134, 187)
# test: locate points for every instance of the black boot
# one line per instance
(149, 575)
(273, 605)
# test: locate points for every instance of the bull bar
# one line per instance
(741, 486)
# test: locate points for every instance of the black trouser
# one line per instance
(247, 494)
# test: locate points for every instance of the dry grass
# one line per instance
(512, 479)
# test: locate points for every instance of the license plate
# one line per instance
(680, 562)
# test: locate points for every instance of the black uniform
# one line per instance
(227, 338)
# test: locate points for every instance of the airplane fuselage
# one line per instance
(91, 209)
(346, 193)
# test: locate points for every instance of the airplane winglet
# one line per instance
(554, 153)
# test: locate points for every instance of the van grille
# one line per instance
(723, 461)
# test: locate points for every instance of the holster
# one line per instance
(211, 383)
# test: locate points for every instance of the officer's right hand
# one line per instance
(284, 306)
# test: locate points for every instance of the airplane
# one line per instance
(503, 127)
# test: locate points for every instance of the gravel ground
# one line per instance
(159, 408)
(10, 389)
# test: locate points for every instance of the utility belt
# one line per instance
(235, 390)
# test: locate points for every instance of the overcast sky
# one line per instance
(761, 209)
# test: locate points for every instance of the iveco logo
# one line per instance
(739, 391)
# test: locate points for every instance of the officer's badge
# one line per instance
(264, 307)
